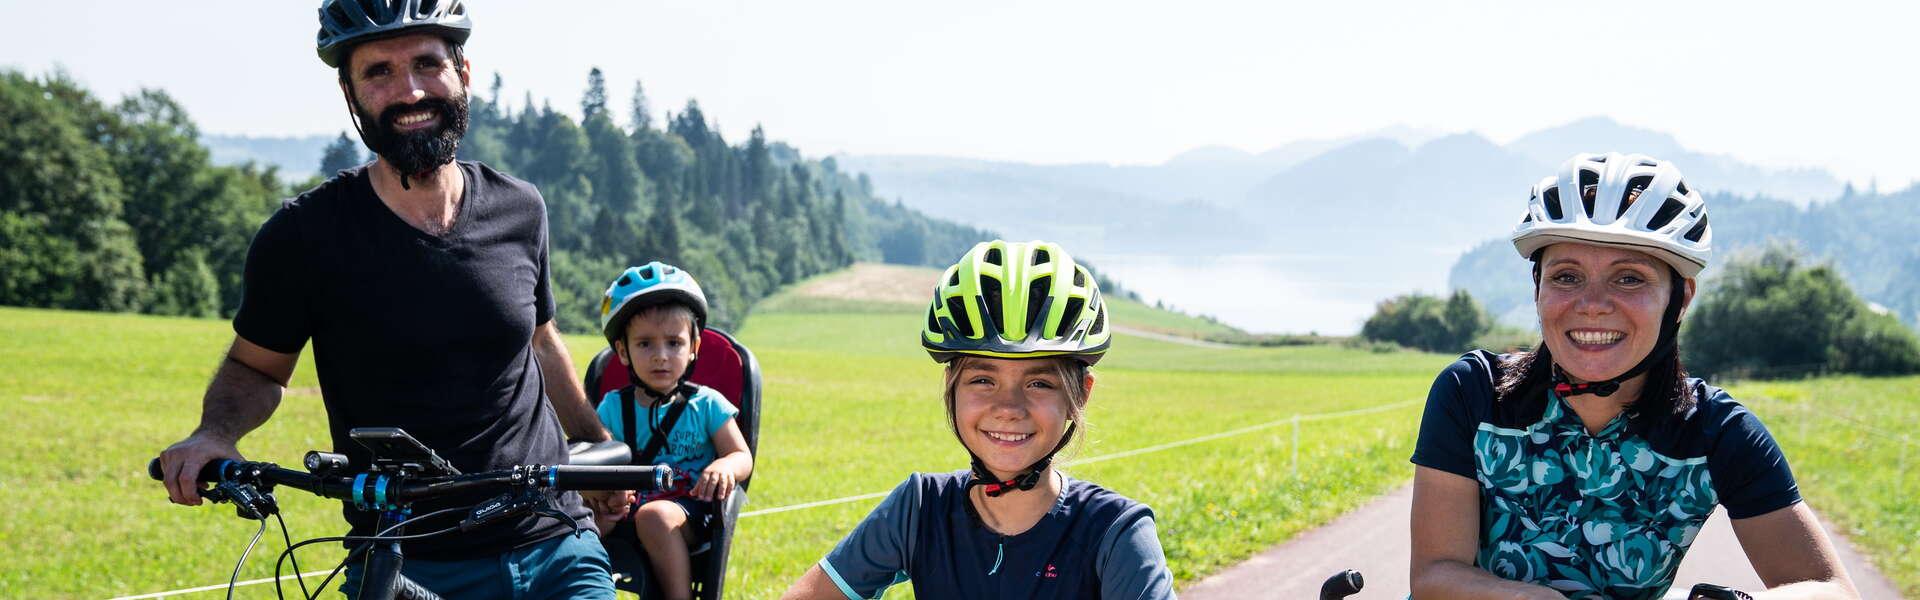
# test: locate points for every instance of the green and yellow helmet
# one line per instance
(1017, 300)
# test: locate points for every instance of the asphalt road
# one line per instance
(1374, 540)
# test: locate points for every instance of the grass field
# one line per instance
(852, 406)
(1853, 448)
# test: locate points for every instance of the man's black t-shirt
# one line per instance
(429, 334)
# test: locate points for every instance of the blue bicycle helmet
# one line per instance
(651, 284)
(344, 23)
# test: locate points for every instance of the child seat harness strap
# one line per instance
(644, 456)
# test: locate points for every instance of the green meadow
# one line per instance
(1854, 444)
(852, 406)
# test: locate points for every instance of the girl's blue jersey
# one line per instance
(1093, 544)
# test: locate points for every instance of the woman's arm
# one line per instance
(1446, 534)
(1793, 556)
(814, 585)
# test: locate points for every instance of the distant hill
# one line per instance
(1714, 171)
(876, 287)
(297, 157)
(1412, 187)
(1348, 221)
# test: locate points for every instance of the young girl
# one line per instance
(1019, 326)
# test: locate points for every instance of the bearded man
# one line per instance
(423, 283)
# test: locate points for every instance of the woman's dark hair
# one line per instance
(1525, 376)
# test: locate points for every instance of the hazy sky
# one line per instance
(1820, 84)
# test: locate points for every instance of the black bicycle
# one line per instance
(403, 472)
(1348, 582)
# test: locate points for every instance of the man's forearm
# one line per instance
(238, 400)
(577, 417)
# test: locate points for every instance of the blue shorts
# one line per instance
(700, 518)
(568, 566)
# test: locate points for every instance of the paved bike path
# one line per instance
(1374, 540)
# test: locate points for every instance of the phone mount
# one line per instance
(396, 453)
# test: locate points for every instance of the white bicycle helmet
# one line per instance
(1630, 201)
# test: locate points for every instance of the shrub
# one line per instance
(1428, 322)
(1773, 314)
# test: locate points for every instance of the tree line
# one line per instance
(118, 208)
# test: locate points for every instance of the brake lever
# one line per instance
(248, 501)
(502, 506)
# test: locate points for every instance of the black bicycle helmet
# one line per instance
(344, 23)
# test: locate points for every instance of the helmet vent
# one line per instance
(1586, 199)
(992, 257)
(626, 280)
(1668, 210)
(959, 312)
(1589, 178)
(646, 272)
(933, 324)
(1693, 235)
(1635, 187)
(426, 7)
(1099, 322)
(1070, 317)
(1041, 256)
(1682, 188)
(1552, 201)
(339, 15)
(994, 316)
(1036, 299)
(955, 278)
(1079, 276)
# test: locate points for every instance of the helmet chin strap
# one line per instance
(1662, 350)
(1025, 480)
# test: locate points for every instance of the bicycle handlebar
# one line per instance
(370, 486)
(1348, 582)
(1342, 584)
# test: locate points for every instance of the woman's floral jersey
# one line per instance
(1604, 515)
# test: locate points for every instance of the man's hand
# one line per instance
(180, 465)
(244, 391)
(610, 504)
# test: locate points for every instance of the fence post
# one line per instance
(1296, 446)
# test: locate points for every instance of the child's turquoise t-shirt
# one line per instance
(689, 448)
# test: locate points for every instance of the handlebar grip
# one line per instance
(212, 472)
(628, 477)
(1343, 584)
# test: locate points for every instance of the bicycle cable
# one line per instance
(377, 536)
(296, 560)
(235, 578)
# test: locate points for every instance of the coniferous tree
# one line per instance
(594, 101)
(342, 154)
(641, 115)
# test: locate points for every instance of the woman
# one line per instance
(1585, 467)
(1019, 326)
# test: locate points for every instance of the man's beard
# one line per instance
(416, 152)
